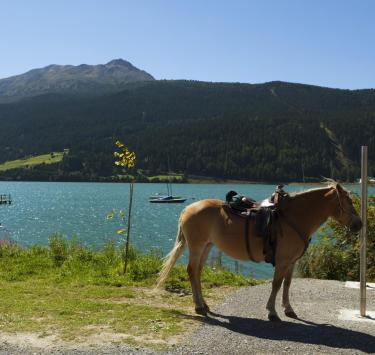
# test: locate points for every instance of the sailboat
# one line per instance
(168, 198)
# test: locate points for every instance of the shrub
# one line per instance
(336, 253)
(145, 267)
(59, 249)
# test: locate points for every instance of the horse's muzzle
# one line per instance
(356, 224)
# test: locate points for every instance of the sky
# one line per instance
(321, 42)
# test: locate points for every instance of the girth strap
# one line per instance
(247, 238)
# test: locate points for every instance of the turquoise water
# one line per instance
(40, 209)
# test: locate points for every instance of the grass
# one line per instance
(53, 158)
(166, 178)
(75, 293)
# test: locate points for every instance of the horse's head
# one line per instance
(343, 210)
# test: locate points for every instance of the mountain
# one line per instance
(270, 132)
(81, 79)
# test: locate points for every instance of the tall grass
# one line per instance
(64, 260)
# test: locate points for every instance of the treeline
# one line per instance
(270, 132)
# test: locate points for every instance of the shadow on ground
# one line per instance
(304, 332)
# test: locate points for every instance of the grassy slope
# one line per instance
(73, 293)
(37, 160)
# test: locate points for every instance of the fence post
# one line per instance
(219, 261)
(363, 238)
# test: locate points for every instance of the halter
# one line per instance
(341, 207)
(342, 210)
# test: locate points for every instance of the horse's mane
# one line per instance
(330, 183)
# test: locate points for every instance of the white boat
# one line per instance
(167, 199)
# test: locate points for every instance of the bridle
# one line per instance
(342, 208)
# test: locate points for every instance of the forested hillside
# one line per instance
(267, 132)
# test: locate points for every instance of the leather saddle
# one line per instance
(265, 215)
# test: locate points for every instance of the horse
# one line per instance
(205, 223)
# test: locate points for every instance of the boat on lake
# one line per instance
(168, 198)
(5, 199)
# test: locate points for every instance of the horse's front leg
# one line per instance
(278, 276)
(288, 310)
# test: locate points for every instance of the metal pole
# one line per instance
(363, 231)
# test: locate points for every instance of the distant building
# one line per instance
(371, 180)
(66, 151)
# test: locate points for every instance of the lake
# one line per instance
(40, 209)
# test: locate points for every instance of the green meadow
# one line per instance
(51, 158)
(73, 293)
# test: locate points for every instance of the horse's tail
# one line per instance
(172, 257)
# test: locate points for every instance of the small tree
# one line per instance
(125, 160)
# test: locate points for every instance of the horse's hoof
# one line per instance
(206, 308)
(201, 310)
(291, 314)
(274, 318)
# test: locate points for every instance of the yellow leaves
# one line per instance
(111, 214)
(126, 158)
(119, 144)
(121, 215)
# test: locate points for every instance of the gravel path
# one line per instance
(243, 328)
(240, 326)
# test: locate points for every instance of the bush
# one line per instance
(336, 253)
(145, 267)
(59, 249)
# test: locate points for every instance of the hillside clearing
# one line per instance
(50, 158)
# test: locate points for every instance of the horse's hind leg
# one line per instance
(193, 271)
(201, 265)
(288, 310)
(280, 272)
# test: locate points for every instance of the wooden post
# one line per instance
(219, 262)
(363, 238)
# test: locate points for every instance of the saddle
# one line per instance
(264, 213)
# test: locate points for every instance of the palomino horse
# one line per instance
(206, 223)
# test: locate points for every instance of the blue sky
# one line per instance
(328, 43)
